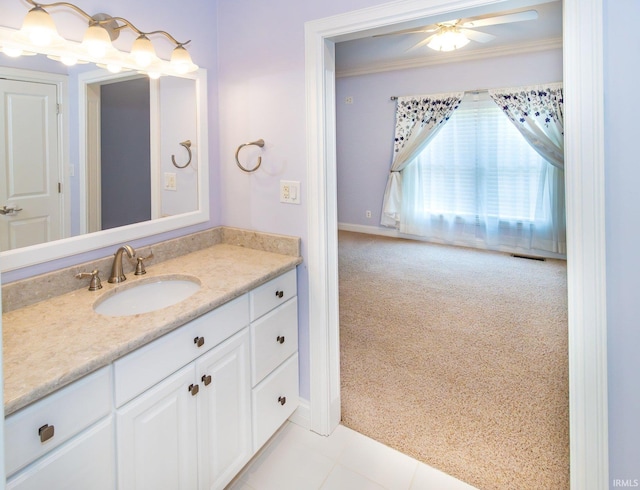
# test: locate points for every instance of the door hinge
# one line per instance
(59, 187)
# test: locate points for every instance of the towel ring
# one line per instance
(259, 143)
(187, 145)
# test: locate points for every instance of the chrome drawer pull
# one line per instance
(193, 389)
(199, 341)
(46, 432)
(279, 294)
(206, 379)
(282, 400)
(280, 339)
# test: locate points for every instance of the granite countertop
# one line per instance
(50, 344)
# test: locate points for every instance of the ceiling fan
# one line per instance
(454, 34)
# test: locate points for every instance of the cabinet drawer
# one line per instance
(85, 462)
(68, 411)
(273, 293)
(150, 364)
(274, 337)
(274, 400)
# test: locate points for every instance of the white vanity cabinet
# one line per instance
(274, 355)
(192, 429)
(66, 438)
(186, 411)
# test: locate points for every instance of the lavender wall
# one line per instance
(623, 262)
(146, 15)
(365, 128)
(262, 95)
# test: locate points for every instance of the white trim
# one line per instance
(585, 218)
(454, 57)
(480, 245)
(302, 415)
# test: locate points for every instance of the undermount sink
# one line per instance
(147, 295)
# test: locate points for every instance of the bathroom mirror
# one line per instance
(169, 196)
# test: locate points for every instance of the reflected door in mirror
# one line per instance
(30, 189)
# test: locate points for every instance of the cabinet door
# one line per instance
(156, 437)
(224, 418)
(86, 461)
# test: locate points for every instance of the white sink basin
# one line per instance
(143, 297)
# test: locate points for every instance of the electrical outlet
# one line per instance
(367, 213)
(290, 191)
(169, 181)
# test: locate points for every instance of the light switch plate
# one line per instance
(170, 181)
(290, 191)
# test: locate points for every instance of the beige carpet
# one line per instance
(458, 358)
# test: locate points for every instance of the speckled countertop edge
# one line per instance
(50, 344)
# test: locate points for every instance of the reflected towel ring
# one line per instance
(259, 143)
(187, 145)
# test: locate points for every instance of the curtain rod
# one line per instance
(475, 91)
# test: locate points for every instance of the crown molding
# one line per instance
(452, 57)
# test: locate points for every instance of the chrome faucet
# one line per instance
(117, 274)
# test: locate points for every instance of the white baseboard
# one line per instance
(390, 232)
(302, 415)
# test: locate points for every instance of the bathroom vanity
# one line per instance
(179, 397)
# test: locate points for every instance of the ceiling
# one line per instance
(370, 54)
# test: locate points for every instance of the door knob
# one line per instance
(282, 400)
(199, 341)
(193, 389)
(206, 379)
(280, 339)
(279, 294)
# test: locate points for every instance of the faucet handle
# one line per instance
(140, 265)
(95, 283)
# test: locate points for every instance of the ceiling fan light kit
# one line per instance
(448, 38)
(455, 34)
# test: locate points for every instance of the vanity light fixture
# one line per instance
(38, 29)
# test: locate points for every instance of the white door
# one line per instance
(29, 165)
(157, 439)
(224, 418)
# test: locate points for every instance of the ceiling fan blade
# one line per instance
(479, 37)
(501, 19)
(424, 42)
(415, 30)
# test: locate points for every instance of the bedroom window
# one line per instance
(479, 183)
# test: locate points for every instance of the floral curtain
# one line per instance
(538, 113)
(418, 120)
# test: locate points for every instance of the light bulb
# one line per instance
(142, 51)
(12, 52)
(448, 39)
(96, 41)
(181, 61)
(39, 28)
(69, 60)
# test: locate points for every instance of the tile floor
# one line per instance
(299, 459)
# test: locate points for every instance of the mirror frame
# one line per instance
(65, 247)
